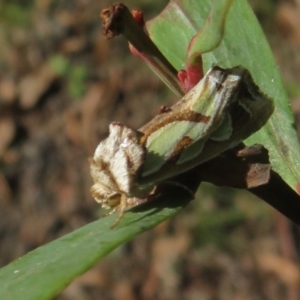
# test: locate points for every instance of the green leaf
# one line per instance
(44, 272)
(243, 44)
(210, 36)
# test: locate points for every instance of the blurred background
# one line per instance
(61, 84)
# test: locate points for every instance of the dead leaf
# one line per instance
(288, 19)
(8, 90)
(5, 191)
(7, 133)
(285, 269)
(73, 45)
(34, 85)
(73, 128)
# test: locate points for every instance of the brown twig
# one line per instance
(117, 20)
(247, 168)
(279, 195)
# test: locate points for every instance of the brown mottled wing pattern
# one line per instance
(116, 162)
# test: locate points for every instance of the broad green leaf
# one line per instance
(243, 44)
(44, 272)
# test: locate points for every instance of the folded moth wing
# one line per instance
(116, 165)
(222, 110)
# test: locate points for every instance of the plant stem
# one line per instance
(279, 195)
(118, 20)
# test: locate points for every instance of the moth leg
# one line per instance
(108, 213)
(121, 208)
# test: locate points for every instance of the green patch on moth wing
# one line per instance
(163, 144)
(192, 151)
(224, 131)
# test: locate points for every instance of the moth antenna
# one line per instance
(175, 183)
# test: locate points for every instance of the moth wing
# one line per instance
(192, 120)
(116, 161)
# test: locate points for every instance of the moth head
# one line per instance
(116, 165)
(105, 197)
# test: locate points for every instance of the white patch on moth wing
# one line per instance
(216, 95)
(215, 75)
(203, 94)
(117, 160)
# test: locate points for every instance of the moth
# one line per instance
(222, 110)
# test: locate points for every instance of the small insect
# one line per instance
(222, 110)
